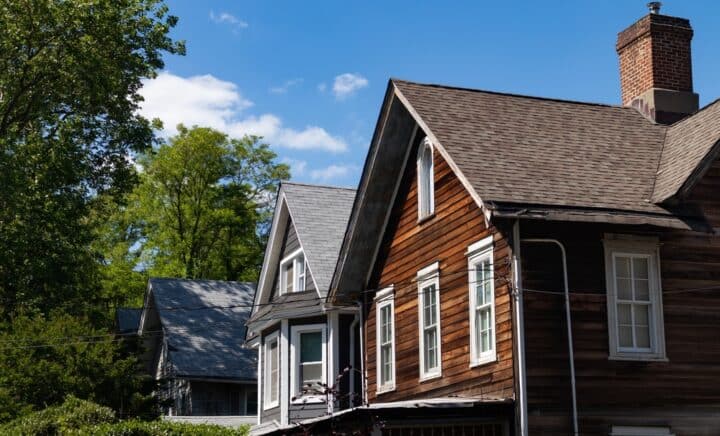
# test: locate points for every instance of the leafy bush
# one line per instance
(83, 418)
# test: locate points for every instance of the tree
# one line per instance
(70, 72)
(202, 206)
(43, 359)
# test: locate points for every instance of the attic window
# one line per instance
(293, 273)
(426, 182)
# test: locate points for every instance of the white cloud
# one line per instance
(347, 84)
(208, 101)
(333, 172)
(283, 89)
(226, 18)
(322, 87)
(297, 167)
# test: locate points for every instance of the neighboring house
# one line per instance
(309, 362)
(193, 332)
(539, 266)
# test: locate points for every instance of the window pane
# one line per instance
(311, 347)
(642, 335)
(430, 349)
(310, 372)
(624, 289)
(640, 268)
(429, 302)
(622, 266)
(625, 336)
(385, 363)
(641, 314)
(642, 290)
(624, 316)
(485, 344)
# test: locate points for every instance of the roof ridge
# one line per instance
(314, 185)
(510, 94)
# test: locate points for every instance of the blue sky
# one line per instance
(310, 75)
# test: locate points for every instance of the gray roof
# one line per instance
(284, 304)
(204, 326)
(320, 215)
(128, 319)
(529, 150)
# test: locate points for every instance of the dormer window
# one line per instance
(426, 180)
(293, 273)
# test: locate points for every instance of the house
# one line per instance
(309, 363)
(538, 266)
(193, 334)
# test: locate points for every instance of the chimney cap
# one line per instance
(654, 7)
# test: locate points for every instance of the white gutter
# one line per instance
(569, 323)
(520, 331)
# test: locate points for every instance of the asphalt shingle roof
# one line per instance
(320, 215)
(529, 150)
(204, 325)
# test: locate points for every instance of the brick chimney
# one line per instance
(656, 67)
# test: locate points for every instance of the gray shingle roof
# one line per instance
(320, 215)
(128, 319)
(517, 149)
(687, 143)
(204, 325)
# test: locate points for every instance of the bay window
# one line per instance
(308, 363)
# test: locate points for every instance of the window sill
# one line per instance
(426, 218)
(385, 390)
(483, 361)
(309, 399)
(271, 406)
(639, 358)
(430, 377)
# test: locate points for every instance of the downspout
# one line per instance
(520, 330)
(569, 324)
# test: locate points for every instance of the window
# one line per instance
(482, 302)
(429, 320)
(308, 363)
(426, 182)
(635, 318)
(272, 372)
(385, 339)
(293, 273)
(251, 402)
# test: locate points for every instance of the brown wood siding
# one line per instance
(408, 247)
(683, 393)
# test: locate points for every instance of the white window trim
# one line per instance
(622, 430)
(267, 403)
(384, 298)
(428, 276)
(293, 257)
(478, 252)
(426, 143)
(295, 332)
(635, 246)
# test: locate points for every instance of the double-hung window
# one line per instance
(308, 363)
(293, 273)
(425, 180)
(429, 322)
(271, 371)
(635, 315)
(482, 302)
(385, 340)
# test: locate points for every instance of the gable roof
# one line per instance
(530, 157)
(320, 215)
(203, 323)
(689, 149)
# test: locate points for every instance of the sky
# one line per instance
(310, 76)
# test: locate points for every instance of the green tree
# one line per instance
(70, 72)
(44, 359)
(201, 208)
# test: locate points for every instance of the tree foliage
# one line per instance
(70, 72)
(43, 359)
(201, 207)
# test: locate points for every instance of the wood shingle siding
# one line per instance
(407, 247)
